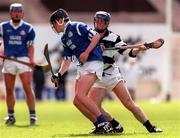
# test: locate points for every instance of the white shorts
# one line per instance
(110, 79)
(14, 67)
(90, 67)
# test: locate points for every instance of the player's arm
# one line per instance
(67, 59)
(134, 51)
(30, 43)
(64, 66)
(85, 31)
(31, 53)
(142, 47)
(1, 40)
(84, 56)
(1, 47)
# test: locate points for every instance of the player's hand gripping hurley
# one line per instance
(55, 77)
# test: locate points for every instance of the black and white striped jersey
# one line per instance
(112, 40)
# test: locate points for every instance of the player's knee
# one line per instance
(75, 102)
(10, 92)
(79, 97)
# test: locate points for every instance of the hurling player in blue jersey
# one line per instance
(81, 41)
(18, 39)
(112, 79)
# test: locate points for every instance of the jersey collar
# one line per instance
(16, 27)
(106, 33)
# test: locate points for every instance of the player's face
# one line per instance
(100, 24)
(16, 16)
(58, 27)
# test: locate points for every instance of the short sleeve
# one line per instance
(31, 36)
(86, 31)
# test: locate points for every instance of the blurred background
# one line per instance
(154, 75)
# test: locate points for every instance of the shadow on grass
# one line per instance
(22, 126)
(91, 135)
(26, 126)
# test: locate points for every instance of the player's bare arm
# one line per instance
(31, 54)
(135, 51)
(64, 66)
(84, 56)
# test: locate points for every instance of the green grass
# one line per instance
(62, 120)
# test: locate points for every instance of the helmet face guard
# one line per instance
(104, 16)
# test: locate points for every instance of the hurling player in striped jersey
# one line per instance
(18, 40)
(112, 79)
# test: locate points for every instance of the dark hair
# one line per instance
(59, 14)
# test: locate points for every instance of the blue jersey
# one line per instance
(76, 38)
(17, 39)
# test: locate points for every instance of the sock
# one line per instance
(32, 113)
(101, 119)
(148, 125)
(95, 123)
(114, 123)
(11, 113)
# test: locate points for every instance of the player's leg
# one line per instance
(25, 74)
(10, 97)
(122, 93)
(26, 79)
(84, 110)
(117, 127)
(92, 117)
(132, 93)
(87, 74)
(97, 95)
(83, 86)
(9, 72)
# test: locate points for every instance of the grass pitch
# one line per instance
(63, 120)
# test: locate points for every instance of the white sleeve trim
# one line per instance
(120, 44)
(31, 27)
(77, 28)
(1, 30)
(30, 43)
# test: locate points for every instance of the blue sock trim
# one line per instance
(11, 113)
(32, 113)
(101, 119)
